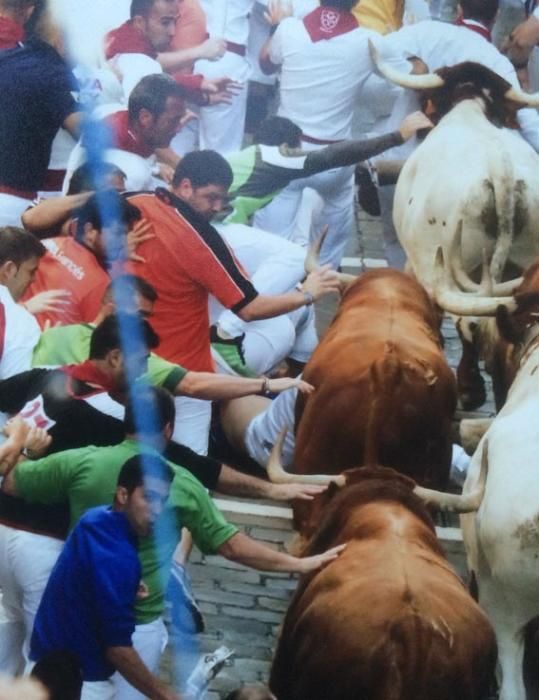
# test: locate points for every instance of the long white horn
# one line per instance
(453, 503)
(523, 98)
(278, 475)
(460, 303)
(407, 80)
(313, 254)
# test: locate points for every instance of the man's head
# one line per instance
(89, 177)
(202, 180)
(143, 487)
(121, 345)
(346, 5)
(131, 294)
(102, 225)
(156, 20)
(276, 131)
(19, 11)
(483, 11)
(150, 414)
(156, 108)
(20, 252)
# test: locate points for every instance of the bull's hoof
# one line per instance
(472, 394)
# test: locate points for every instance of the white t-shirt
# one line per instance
(228, 19)
(440, 44)
(19, 333)
(320, 81)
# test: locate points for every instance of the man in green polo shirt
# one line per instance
(87, 477)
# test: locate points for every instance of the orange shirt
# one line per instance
(184, 262)
(380, 15)
(191, 29)
(69, 265)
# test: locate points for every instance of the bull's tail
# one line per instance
(502, 178)
(385, 375)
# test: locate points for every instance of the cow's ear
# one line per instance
(508, 327)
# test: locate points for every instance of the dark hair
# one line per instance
(139, 467)
(150, 401)
(89, 176)
(152, 93)
(249, 693)
(203, 168)
(61, 675)
(480, 10)
(18, 5)
(275, 131)
(339, 4)
(126, 286)
(140, 7)
(107, 335)
(105, 209)
(19, 245)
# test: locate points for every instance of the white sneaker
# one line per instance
(208, 666)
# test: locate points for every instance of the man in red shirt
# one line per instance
(188, 260)
(79, 264)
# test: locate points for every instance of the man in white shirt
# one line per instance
(324, 63)
(20, 253)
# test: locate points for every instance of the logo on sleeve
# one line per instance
(34, 414)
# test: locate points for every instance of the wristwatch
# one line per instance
(309, 299)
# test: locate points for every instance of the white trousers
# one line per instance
(12, 208)
(149, 641)
(263, 431)
(221, 126)
(26, 560)
(192, 425)
(98, 690)
(336, 187)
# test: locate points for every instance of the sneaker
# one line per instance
(208, 666)
(228, 354)
(367, 190)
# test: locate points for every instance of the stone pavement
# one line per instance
(243, 608)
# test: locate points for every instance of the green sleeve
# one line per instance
(196, 511)
(47, 480)
(164, 373)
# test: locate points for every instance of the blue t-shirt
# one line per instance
(35, 88)
(89, 599)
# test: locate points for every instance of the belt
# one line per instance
(319, 142)
(240, 49)
(24, 194)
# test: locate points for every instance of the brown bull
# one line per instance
(384, 391)
(389, 619)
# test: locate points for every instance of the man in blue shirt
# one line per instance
(88, 605)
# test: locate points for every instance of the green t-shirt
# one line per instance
(68, 345)
(87, 478)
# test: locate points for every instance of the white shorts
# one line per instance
(264, 429)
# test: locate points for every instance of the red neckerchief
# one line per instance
(11, 33)
(88, 373)
(478, 28)
(123, 138)
(328, 22)
(127, 39)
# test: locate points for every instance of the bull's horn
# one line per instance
(278, 475)
(460, 303)
(313, 254)
(454, 503)
(523, 98)
(406, 80)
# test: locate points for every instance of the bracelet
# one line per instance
(265, 390)
(273, 29)
(309, 299)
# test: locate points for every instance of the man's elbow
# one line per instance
(228, 549)
(266, 65)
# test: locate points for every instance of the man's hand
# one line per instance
(212, 49)
(321, 281)
(51, 300)
(141, 231)
(413, 123)
(291, 492)
(220, 90)
(37, 442)
(276, 386)
(277, 11)
(522, 40)
(318, 561)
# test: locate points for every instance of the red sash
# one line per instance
(478, 28)
(11, 33)
(127, 39)
(88, 373)
(328, 22)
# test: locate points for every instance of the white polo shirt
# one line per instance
(228, 19)
(19, 333)
(440, 44)
(320, 81)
